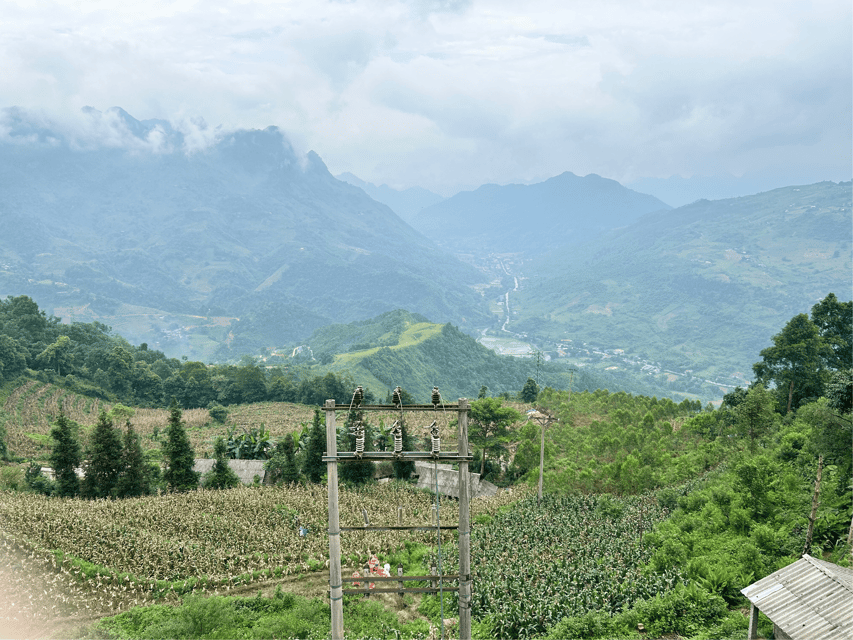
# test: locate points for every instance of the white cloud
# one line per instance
(444, 93)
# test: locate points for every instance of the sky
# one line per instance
(451, 94)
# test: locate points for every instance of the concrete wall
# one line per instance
(246, 470)
(448, 480)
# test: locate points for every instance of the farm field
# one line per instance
(30, 408)
(97, 558)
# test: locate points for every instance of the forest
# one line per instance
(655, 513)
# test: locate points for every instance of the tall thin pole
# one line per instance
(336, 595)
(464, 526)
(541, 421)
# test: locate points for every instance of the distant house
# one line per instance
(810, 599)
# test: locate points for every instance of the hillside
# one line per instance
(210, 252)
(406, 203)
(530, 219)
(399, 348)
(699, 289)
(31, 406)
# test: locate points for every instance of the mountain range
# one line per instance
(531, 219)
(211, 245)
(241, 244)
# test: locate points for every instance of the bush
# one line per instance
(218, 412)
(37, 481)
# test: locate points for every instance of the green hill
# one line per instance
(400, 348)
(699, 289)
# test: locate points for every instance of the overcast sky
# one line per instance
(453, 93)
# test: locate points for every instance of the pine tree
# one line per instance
(315, 468)
(65, 457)
(133, 479)
(104, 465)
(221, 476)
(178, 454)
(282, 465)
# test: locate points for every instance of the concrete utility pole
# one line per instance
(544, 419)
(336, 595)
(460, 457)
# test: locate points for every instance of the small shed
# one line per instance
(806, 600)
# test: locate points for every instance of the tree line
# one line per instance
(88, 358)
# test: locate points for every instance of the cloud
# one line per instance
(444, 93)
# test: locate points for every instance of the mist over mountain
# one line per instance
(679, 191)
(406, 203)
(699, 289)
(156, 230)
(562, 210)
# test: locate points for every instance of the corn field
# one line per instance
(534, 566)
(157, 547)
(32, 407)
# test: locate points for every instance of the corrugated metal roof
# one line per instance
(808, 599)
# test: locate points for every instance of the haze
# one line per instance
(451, 94)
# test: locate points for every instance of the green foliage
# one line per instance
(619, 443)
(220, 476)
(36, 480)
(178, 455)
(529, 392)
(356, 471)
(134, 478)
(488, 426)
(218, 412)
(104, 462)
(65, 457)
(315, 468)
(281, 467)
(684, 610)
(806, 351)
(282, 615)
(252, 444)
(754, 416)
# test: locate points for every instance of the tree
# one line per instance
(133, 479)
(282, 465)
(795, 363)
(488, 425)
(754, 416)
(65, 457)
(104, 464)
(221, 475)
(315, 468)
(56, 356)
(839, 391)
(178, 454)
(483, 392)
(13, 358)
(530, 391)
(834, 321)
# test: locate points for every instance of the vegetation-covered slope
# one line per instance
(699, 288)
(260, 245)
(399, 348)
(530, 219)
